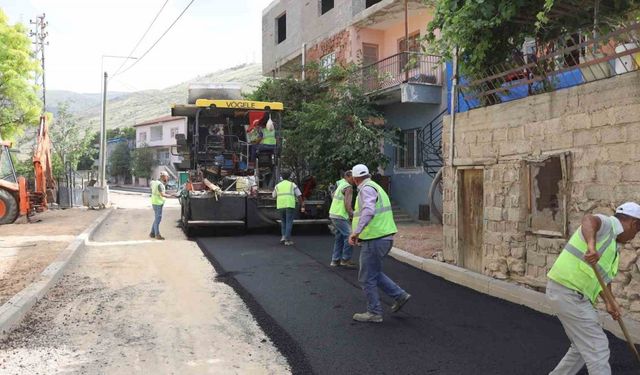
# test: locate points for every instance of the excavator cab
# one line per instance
(9, 187)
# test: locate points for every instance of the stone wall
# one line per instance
(598, 124)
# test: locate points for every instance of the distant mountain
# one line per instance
(126, 109)
(77, 102)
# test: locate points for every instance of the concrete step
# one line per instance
(401, 216)
(404, 221)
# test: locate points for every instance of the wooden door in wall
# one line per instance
(470, 219)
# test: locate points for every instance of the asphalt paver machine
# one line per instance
(231, 174)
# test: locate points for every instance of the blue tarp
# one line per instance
(560, 81)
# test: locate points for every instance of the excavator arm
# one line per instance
(45, 185)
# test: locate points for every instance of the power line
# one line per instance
(157, 41)
(142, 37)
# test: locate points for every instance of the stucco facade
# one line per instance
(352, 33)
(159, 134)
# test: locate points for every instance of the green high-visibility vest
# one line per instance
(382, 224)
(337, 209)
(573, 271)
(253, 136)
(156, 198)
(268, 137)
(285, 195)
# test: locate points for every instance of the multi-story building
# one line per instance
(160, 135)
(384, 37)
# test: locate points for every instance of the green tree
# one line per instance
(23, 167)
(143, 161)
(120, 160)
(128, 133)
(489, 33)
(329, 124)
(19, 104)
(69, 140)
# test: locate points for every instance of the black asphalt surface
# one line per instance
(305, 307)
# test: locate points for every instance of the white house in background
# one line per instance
(160, 134)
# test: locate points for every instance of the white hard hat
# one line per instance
(359, 170)
(630, 209)
(164, 173)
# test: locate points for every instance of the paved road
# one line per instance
(131, 305)
(306, 308)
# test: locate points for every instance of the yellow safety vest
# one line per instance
(382, 224)
(156, 198)
(268, 137)
(573, 271)
(285, 195)
(337, 209)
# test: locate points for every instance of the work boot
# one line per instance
(159, 237)
(348, 264)
(152, 235)
(367, 317)
(397, 305)
(335, 263)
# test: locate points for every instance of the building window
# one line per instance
(370, 54)
(281, 28)
(174, 131)
(408, 150)
(325, 6)
(414, 43)
(156, 133)
(548, 190)
(370, 3)
(142, 137)
(328, 61)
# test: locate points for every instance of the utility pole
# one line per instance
(103, 123)
(39, 36)
(103, 134)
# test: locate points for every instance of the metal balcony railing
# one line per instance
(400, 68)
(579, 57)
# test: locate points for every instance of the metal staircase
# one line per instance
(432, 161)
(431, 144)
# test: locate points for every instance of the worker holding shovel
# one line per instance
(574, 286)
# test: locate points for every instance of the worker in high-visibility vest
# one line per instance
(158, 197)
(340, 213)
(573, 286)
(286, 193)
(373, 228)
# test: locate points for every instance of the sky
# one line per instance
(211, 35)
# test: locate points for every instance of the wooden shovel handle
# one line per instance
(610, 299)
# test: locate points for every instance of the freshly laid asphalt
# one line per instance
(305, 307)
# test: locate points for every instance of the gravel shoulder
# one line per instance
(27, 249)
(418, 239)
(129, 304)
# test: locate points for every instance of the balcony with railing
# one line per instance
(397, 75)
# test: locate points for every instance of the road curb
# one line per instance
(12, 312)
(501, 289)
